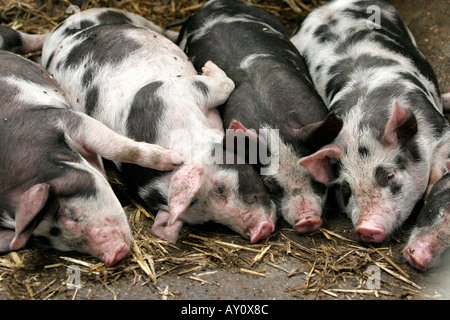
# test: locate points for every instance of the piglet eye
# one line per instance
(72, 215)
(221, 190)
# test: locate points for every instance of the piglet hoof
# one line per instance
(308, 224)
(162, 159)
(210, 69)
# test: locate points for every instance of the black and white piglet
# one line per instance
(140, 84)
(370, 73)
(431, 235)
(52, 189)
(273, 91)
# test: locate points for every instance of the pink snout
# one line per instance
(419, 258)
(110, 245)
(369, 233)
(115, 255)
(308, 224)
(262, 231)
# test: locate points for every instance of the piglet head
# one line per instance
(77, 211)
(199, 194)
(239, 200)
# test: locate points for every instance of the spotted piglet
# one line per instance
(368, 70)
(273, 92)
(140, 84)
(53, 192)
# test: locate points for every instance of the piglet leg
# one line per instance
(218, 84)
(89, 136)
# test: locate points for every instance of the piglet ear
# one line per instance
(318, 134)
(447, 164)
(319, 163)
(184, 185)
(27, 215)
(238, 126)
(401, 126)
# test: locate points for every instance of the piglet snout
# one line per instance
(308, 222)
(419, 258)
(262, 231)
(118, 253)
(370, 233)
(110, 245)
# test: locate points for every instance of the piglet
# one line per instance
(431, 235)
(53, 191)
(137, 82)
(274, 94)
(371, 74)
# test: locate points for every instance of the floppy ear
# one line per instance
(319, 163)
(440, 162)
(318, 134)
(254, 144)
(401, 126)
(27, 216)
(184, 185)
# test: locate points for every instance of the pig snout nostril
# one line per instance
(117, 255)
(263, 231)
(370, 234)
(308, 224)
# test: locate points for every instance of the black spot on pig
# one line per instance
(113, 17)
(420, 103)
(91, 100)
(335, 85)
(40, 242)
(363, 152)
(324, 34)
(12, 41)
(382, 176)
(356, 14)
(97, 43)
(75, 28)
(408, 50)
(87, 77)
(413, 79)
(412, 150)
(401, 162)
(395, 188)
(147, 104)
(50, 58)
(202, 87)
(155, 200)
(353, 38)
(55, 231)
